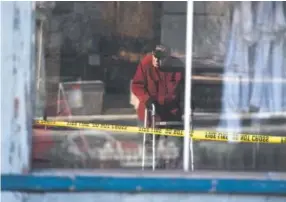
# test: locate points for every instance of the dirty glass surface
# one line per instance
(91, 51)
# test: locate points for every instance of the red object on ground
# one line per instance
(76, 87)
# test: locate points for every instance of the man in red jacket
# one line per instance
(154, 84)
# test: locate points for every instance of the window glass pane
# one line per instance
(92, 51)
(92, 68)
(245, 94)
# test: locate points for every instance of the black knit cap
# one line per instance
(161, 51)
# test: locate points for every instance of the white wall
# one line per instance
(16, 83)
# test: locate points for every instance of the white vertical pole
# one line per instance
(40, 49)
(188, 94)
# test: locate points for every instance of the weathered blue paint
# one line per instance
(147, 184)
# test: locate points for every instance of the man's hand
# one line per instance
(151, 102)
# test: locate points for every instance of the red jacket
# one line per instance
(164, 87)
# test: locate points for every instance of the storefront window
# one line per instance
(90, 72)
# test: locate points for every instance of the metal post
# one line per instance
(188, 94)
(144, 139)
(154, 138)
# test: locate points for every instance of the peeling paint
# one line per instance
(15, 64)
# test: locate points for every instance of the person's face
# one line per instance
(156, 61)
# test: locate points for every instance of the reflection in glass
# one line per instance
(91, 57)
(252, 87)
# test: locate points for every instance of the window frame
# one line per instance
(142, 182)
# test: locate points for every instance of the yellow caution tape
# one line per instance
(195, 134)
